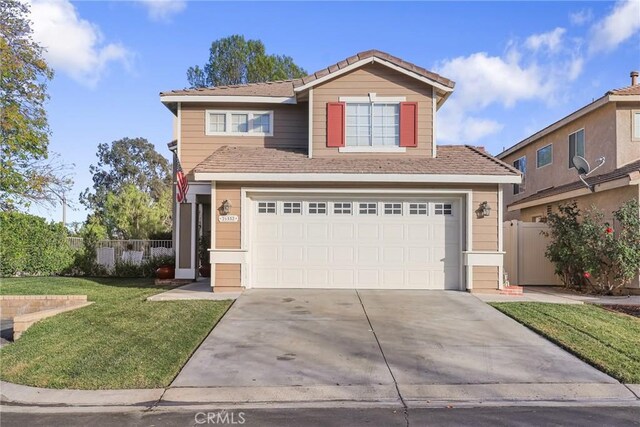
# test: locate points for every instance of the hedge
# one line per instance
(29, 245)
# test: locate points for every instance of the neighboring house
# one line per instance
(608, 127)
(335, 181)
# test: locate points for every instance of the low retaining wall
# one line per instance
(25, 310)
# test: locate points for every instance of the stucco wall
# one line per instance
(600, 140)
(628, 147)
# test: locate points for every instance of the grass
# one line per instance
(607, 340)
(120, 341)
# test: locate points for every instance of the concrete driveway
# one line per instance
(312, 345)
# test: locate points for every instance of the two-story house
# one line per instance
(335, 180)
(608, 127)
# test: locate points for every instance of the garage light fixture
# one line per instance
(484, 210)
(225, 207)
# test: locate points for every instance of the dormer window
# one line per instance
(239, 123)
(373, 124)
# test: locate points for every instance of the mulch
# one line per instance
(631, 310)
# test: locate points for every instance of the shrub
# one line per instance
(147, 268)
(29, 245)
(589, 252)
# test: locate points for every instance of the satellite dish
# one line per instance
(581, 165)
(583, 168)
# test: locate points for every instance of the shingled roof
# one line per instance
(621, 172)
(286, 87)
(452, 159)
(629, 90)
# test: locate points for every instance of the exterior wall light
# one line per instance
(484, 210)
(225, 208)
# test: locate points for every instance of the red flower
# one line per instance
(609, 230)
(587, 275)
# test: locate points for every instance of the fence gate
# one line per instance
(524, 259)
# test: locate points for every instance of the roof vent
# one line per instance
(634, 78)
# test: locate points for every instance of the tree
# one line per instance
(234, 60)
(127, 161)
(26, 173)
(132, 214)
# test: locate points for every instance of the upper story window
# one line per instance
(636, 126)
(373, 124)
(544, 156)
(239, 123)
(521, 165)
(576, 146)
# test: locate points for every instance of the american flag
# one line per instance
(183, 184)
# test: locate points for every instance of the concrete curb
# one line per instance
(25, 395)
(323, 396)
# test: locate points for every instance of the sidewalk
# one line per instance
(556, 295)
(200, 290)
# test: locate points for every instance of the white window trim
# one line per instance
(520, 191)
(633, 126)
(542, 148)
(372, 149)
(228, 114)
(372, 99)
(569, 144)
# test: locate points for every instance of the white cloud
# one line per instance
(581, 17)
(483, 80)
(162, 10)
(454, 126)
(621, 24)
(73, 45)
(551, 40)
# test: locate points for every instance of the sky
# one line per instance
(518, 66)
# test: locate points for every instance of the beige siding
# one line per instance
(289, 130)
(485, 230)
(628, 148)
(227, 278)
(384, 82)
(600, 140)
(228, 233)
(485, 277)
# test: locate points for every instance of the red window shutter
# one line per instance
(335, 124)
(408, 124)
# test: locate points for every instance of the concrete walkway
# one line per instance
(557, 295)
(200, 290)
(401, 349)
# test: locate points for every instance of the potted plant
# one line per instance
(166, 268)
(203, 251)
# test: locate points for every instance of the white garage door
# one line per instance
(355, 243)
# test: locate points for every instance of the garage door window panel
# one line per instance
(368, 208)
(393, 208)
(317, 208)
(443, 209)
(266, 207)
(292, 207)
(342, 208)
(418, 209)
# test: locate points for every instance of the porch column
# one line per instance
(186, 239)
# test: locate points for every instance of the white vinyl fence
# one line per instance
(133, 251)
(524, 260)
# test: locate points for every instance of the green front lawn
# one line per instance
(120, 341)
(609, 341)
